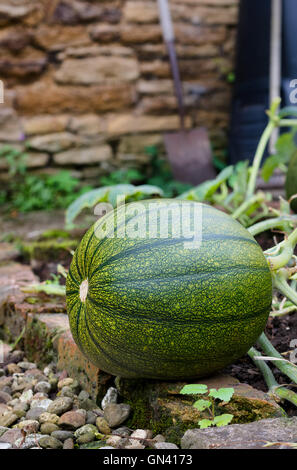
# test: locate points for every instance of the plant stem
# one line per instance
(258, 157)
(277, 222)
(279, 281)
(287, 122)
(285, 311)
(271, 383)
(259, 197)
(288, 369)
(286, 250)
(264, 368)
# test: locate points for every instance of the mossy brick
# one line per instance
(159, 405)
(47, 250)
(13, 276)
(48, 337)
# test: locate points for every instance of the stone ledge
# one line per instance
(48, 337)
(279, 431)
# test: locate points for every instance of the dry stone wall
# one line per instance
(87, 84)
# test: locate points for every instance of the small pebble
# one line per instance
(13, 368)
(85, 438)
(26, 396)
(41, 403)
(49, 442)
(65, 382)
(3, 429)
(136, 445)
(60, 405)
(46, 417)
(116, 414)
(87, 428)
(29, 425)
(115, 441)
(110, 397)
(67, 392)
(34, 413)
(72, 420)
(122, 431)
(48, 428)
(5, 445)
(159, 438)
(30, 441)
(62, 435)
(102, 425)
(27, 365)
(91, 417)
(43, 387)
(165, 445)
(68, 444)
(4, 397)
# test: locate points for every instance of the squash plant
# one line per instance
(243, 204)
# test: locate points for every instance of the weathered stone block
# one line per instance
(105, 33)
(97, 70)
(44, 96)
(54, 330)
(136, 34)
(140, 12)
(159, 406)
(14, 39)
(73, 12)
(56, 142)
(57, 37)
(20, 10)
(10, 126)
(87, 125)
(132, 124)
(45, 124)
(84, 156)
(280, 432)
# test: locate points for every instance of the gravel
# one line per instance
(46, 409)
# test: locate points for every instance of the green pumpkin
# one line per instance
(291, 181)
(158, 308)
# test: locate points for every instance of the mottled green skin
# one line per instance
(157, 310)
(291, 181)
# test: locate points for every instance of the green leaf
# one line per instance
(270, 164)
(288, 111)
(202, 405)
(109, 194)
(223, 420)
(205, 423)
(194, 389)
(89, 199)
(224, 394)
(205, 190)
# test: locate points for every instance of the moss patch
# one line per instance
(47, 250)
(38, 343)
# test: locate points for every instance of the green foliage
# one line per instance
(16, 159)
(213, 395)
(43, 192)
(109, 194)
(285, 147)
(25, 192)
(123, 176)
(194, 389)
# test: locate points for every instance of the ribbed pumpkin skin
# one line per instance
(157, 310)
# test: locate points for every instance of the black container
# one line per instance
(251, 89)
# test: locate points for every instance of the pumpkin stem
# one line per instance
(83, 290)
